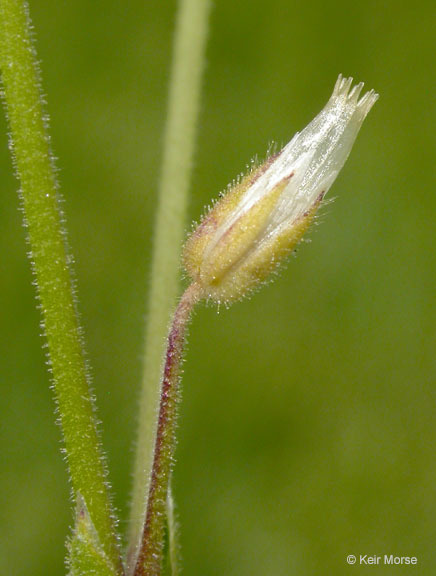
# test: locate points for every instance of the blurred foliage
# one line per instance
(307, 429)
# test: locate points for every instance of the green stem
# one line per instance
(149, 561)
(183, 106)
(51, 264)
(173, 536)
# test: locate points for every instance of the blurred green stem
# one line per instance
(51, 264)
(183, 106)
(149, 561)
(173, 535)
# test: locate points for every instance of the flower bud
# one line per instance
(249, 231)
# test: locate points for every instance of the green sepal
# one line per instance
(86, 556)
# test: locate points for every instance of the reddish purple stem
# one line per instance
(149, 559)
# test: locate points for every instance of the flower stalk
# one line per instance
(149, 560)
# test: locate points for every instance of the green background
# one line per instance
(307, 430)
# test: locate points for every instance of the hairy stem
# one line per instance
(52, 267)
(149, 559)
(183, 106)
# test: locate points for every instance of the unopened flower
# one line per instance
(247, 233)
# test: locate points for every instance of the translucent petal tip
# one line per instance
(342, 90)
(367, 101)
